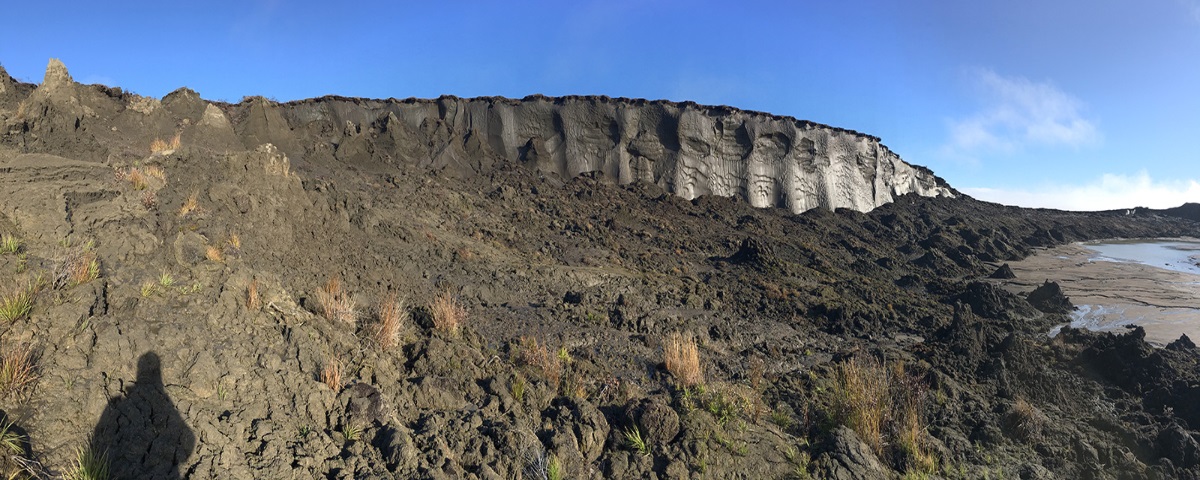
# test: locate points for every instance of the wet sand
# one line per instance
(1113, 294)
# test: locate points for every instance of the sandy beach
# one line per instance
(1113, 294)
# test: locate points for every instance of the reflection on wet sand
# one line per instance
(1155, 284)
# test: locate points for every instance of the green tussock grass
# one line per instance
(88, 465)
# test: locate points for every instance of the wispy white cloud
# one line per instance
(1192, 7)
(1108, 192)
(1018, 113)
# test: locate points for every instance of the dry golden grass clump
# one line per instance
(252, 299)
(190, 205)
(234, 242)
(159, 145)
(336, 304)
(909, 428)
(137, 179)
(863, 399)
(156, 172)
(331, 375)
(538, 355)
(1025, 420)
(885, 407)
(213, 253)
(392, 317)
(448, 315)
(682, 358)
(18, 369)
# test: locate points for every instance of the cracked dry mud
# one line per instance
(185, 377)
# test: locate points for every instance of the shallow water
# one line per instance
(1152, 283)
(1177, 255)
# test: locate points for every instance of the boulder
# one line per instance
(656, 420)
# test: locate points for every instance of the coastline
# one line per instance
(1110, 294)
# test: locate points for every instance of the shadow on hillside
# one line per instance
(142, 432)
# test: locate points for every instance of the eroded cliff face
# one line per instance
(689, 149)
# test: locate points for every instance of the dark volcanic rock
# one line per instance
(849, 458)
(1049, 298)
(1003, 273)
(754, 252)
(1183, 343)
(1178, 445)
(991, 301)
(656, 420)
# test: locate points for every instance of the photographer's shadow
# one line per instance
(142, 433)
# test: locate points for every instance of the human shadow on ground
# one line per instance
(142, 433)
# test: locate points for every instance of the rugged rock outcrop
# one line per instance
(690, 150)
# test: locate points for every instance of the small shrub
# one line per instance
(331, 375)
(175, 142)
(336, 304)
(9, 244)
(76, 266)
(1025, 421)
(18, 369)
(149, 200)
(235, 242)
(682, 358)
(448, 315)
(252, 299)
(782, 419)
(88, 465)
(392, 317)
(537, 355)
(542, 465)
(554, 468)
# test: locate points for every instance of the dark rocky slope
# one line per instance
(600, 271)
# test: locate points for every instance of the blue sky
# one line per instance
(1077, 104)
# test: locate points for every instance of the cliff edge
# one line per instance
(690, 150)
